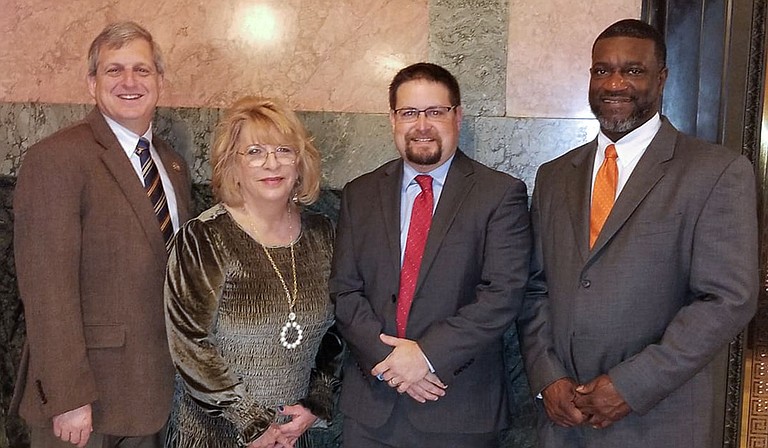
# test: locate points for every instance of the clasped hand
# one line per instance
(286, 434)
(406, 370)
(596, 403)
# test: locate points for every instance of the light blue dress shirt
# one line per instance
(410, 189)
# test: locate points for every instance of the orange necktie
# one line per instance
(604, 193)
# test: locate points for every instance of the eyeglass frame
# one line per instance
(401, 119)
(273, 152)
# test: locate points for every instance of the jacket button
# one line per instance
(586, 283)
(394, 298)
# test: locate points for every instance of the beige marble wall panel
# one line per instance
(336, 55)
(550, 44)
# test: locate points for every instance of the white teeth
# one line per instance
(130, 97)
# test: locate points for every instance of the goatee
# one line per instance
(425, 156)
(640, 114)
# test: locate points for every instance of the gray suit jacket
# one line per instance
(671, 280)
(90, 261)
(469, 290)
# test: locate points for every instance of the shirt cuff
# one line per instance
(429, 364)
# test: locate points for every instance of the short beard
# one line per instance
(424, 158)
(637, 118)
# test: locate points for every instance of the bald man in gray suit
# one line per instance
(619, 328)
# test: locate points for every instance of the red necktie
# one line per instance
(603, 194)
(418, 230)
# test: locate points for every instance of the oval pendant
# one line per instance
(291, 324)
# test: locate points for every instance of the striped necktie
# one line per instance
(154, 188)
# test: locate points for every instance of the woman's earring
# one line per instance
(295, 195)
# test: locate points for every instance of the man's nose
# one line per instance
(616, 81)
(421, 120)
(129, 78)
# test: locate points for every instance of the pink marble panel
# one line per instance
(336, 55)
(549, 54)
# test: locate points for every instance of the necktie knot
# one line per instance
(425, 182)
(142, 146)
(610, 152)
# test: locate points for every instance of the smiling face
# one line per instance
(425, 144)
(126, 85)
(625, 85)
(271, 182)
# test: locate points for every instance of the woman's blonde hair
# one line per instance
(271, 122)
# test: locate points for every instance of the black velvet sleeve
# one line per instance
(326, 376)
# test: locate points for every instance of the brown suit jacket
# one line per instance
(90, 262)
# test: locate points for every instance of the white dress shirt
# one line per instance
(629, 150)
(128, 141)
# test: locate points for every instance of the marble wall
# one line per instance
(522, 66)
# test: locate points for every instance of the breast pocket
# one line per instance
(658, 227)
(656, 240)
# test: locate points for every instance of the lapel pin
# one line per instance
(176, 167)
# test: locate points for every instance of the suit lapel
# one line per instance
(578, 185)
(389, 192)
(458, 184)
(649, 170)
(120, 167)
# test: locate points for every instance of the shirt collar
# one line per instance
(635, 141)
(127, 138)
(438, 174)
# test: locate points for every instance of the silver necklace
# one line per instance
(291, 322)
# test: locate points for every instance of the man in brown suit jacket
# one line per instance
(90, 258)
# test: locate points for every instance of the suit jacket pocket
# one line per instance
(104, 336)
(657, 227)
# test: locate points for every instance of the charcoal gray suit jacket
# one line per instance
(671, 279)
(469, 291)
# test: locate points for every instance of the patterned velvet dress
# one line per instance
(225, 307)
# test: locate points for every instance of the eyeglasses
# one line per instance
(434, 113)
(257, 155)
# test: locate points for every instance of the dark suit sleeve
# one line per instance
(542, 364)
(47, 240)
(450, 343)
(194, 283)
(724, 283)
(355, 318)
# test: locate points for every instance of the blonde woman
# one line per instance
(246, 294)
